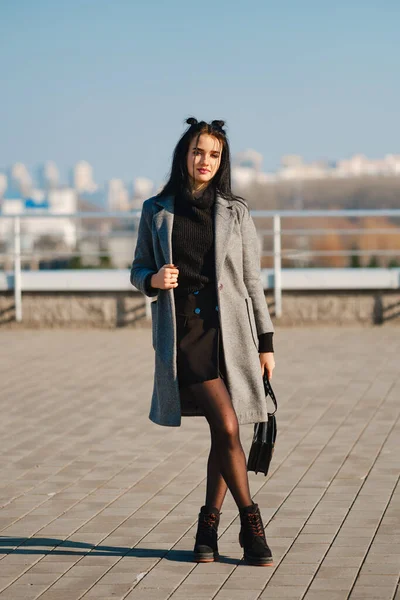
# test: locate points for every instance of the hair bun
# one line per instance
(191, 121)
(218, 123)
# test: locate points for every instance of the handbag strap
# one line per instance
(269, 391)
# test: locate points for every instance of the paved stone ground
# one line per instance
(98, 503)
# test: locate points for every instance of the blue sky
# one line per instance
(112, 81)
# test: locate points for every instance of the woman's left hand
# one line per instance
(267, 361)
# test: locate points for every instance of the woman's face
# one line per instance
(203, 159)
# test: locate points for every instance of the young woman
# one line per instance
(197, 253)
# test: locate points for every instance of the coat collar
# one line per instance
(224, 219)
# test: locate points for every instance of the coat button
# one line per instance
(220, 286)
(197, 311)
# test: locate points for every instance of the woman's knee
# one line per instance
(227, 432)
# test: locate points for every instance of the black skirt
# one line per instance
(200, 355)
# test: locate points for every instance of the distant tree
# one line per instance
(47, 243)
(3, 251)
(105, 261)
(393, 264)
(355, 259)
(75, 262)
(373, 262)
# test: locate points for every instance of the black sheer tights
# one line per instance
(226, 462)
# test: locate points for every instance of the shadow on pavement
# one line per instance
(59, 547)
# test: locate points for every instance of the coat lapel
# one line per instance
(163, 220)
(224, 219)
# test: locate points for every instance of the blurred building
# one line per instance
(82, 177)
(361, 165)
(247, 170)
(249, 159)
(48, 176)
(62, 200)
(143, 188)
(393, 163)
(117, 196)
(3, 184)
(294, 167)
(62, 231)
(19, 181)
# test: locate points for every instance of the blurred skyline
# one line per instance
(113, 82)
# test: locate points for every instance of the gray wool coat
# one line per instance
(243, 310)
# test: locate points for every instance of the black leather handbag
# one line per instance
(262, 446)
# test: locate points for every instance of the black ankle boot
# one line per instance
(252, 537)
(206, 546)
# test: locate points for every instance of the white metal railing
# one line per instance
(17, 269)
(277, 266)
(277, 232)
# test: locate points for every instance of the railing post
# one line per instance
(277, 266)
(148, 307)
(17, 270)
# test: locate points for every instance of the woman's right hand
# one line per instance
(166, 278)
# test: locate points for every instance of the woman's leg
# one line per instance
(216, 485)
(226, 463)
(226, 448)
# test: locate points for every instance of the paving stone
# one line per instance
(301, 569)
(375, 580)
(324, 595)
(336, 572)
(25, 591)
(384, 550)
(345, 552)
(197, 579)
(314, 554)
(314, 538)
(182, 595)
(57, 595)
(115, 590)
(344, 583)
(380, 569)
(277, 592)
(370, 593)
(237, 595)
(138, 594)
(290, 580)
(215, 567)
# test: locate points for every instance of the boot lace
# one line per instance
(208, 521)
(255, 525)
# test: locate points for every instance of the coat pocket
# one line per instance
(154, 319)
(252, 322)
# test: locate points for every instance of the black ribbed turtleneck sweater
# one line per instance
(193, 241)
(193, 247)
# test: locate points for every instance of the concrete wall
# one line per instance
(127, 309)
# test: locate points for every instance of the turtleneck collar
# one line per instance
(205, 200)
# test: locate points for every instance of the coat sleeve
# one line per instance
(144, 264)
(252, 279)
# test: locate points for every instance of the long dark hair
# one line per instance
(179, 182)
